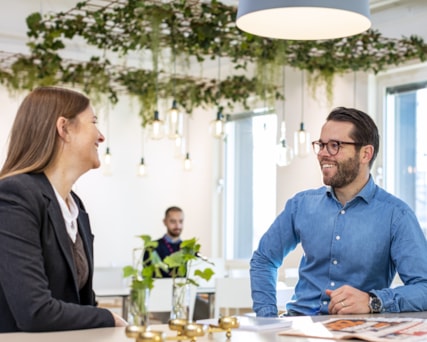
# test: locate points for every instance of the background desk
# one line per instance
(118, 334)
(284, 293)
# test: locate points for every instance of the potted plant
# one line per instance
(143, 273)
(147, 266)
(184, 277)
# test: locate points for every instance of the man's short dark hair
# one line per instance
(365, 130)
(174, 208)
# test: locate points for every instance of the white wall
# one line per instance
(123, 205)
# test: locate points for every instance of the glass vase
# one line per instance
(138, 306)
(180, 301)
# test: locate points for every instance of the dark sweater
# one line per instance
(163, 249)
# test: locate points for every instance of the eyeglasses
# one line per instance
(332, 146)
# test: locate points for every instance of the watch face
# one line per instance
(375, 304)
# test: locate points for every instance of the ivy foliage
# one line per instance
(199, 31)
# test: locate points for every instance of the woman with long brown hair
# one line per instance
(46, 251)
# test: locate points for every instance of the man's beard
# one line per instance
(174, 233)
(347, 172)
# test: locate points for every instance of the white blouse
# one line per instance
(70, 213)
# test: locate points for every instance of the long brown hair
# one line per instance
(33, 141)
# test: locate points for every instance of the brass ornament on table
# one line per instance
(186, 330)
(225, 324)
(142, 334)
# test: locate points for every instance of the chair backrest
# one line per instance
(237, 268)
(232, 293)
(108, 278)
(161, 295)
(291, 276)
(284, 294)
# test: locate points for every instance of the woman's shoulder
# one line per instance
(25, 183)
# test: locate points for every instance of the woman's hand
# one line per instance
(119, 321)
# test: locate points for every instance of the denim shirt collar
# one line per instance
(367, 192)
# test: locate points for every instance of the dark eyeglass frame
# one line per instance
(320, 145)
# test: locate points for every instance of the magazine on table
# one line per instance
(369, 329)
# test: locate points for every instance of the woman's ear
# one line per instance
(61, 127)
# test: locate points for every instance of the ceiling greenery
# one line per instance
(172, 35)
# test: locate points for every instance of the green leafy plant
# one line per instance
(179, 263)
(145, 270)
(197, 30)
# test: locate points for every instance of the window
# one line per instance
(250, 182)
(405, 172)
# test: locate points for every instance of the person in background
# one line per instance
(355, 235)
(170, 242)
(46, 252)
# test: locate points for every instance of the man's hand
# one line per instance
(348, 300)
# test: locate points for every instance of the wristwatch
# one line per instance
(375, 303)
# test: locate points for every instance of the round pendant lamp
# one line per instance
(303, 19)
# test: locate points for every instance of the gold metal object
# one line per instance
(151, 336)
(225, 324)
(177, 325)
(133, 331)
(142, 334)
(194, 330)
(185, 330)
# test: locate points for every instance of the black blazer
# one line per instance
(38, 280)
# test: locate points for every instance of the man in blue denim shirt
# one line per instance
(355, 235)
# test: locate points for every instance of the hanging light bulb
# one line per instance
(302, 141)
(174, 121)
(187, 161)
(106, 169)
(179, 146)
(107, 156)
(188, 164)
(217, 126)
(107, 162)
(157, 127)
(302, 137)
(142, 168)
(284, 153)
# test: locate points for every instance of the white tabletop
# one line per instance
(118, 334)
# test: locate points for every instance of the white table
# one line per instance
(118, 334)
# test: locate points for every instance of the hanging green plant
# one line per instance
(197, 30)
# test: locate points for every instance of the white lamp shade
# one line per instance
(284, 154)
(142, 169)
(303, 19)
(188, 164)
(302, 143)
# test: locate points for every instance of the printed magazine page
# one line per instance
(368, 329)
